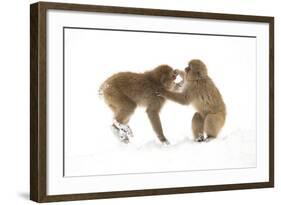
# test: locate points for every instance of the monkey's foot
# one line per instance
(200, 138)
(128, 130)
(122, 136)
(209, 138)
(165, 143)
(163, 140)
(124, 128)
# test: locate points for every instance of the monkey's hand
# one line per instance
(177, 71)
(160, 92)
(180, 73)
(179, 85)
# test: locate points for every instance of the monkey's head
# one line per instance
(196, 70)
(165, 75)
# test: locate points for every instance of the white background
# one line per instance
(14, 109)
(91, 56)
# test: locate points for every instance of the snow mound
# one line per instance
(230, 151)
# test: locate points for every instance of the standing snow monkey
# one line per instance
(124, 91)
(200, 91)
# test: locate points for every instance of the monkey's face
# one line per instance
(167, 77)
(196, 70)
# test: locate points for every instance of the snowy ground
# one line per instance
(182, 155)
(95, 155)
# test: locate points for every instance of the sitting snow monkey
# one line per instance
(200, 91)
(124, 91)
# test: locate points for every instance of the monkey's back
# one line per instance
(207, 97)
(138, 87)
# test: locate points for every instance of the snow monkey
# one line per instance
(124, 91)
(200, 91)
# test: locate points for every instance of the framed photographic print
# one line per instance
(134, 102)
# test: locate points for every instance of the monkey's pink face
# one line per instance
(168, 78)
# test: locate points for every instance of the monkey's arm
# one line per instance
(179, 85)
(181, 98)
(176, 86)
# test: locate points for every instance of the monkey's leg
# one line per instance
(153, 115)
(213, 124)
(123, 114)
(120, 104)
(122, 108)
(198, 127)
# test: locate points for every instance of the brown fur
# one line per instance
(124, 91)
(201, 92)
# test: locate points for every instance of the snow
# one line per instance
(104, 154)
